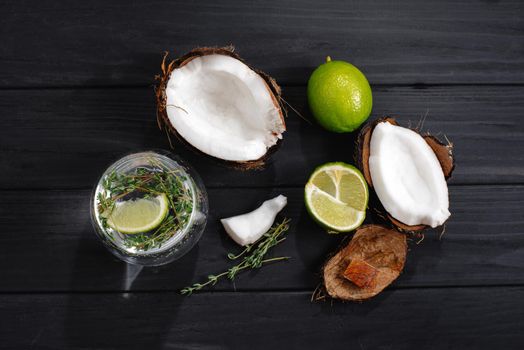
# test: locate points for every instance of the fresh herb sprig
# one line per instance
(150, 181)
(253, 261)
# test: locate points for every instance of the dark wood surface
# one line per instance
(76, 93)
(483, 245)
(421, 318)
(98, 43)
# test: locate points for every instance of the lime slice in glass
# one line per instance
(140, 215)
(336, 196)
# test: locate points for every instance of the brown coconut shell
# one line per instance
(161, 98)
(382, 248)
(444, 153)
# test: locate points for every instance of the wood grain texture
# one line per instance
(64, 43)
(76, 94)
(48, 244)
(449, 318)
(66, 138)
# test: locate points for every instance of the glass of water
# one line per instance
(147, 181)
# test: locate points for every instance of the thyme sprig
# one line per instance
(253, 261)
(148, 182)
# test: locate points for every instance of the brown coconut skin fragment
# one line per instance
(443, 152)
(161, 98)
(360, 273)
(382, 248)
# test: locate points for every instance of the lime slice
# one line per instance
(140, 215)
(336, 196)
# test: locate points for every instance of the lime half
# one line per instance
(140, 215)
(336, 196)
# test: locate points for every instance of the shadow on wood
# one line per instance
(88, 326)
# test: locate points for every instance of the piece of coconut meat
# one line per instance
(223, 108)
(248, 228)
(407, 176)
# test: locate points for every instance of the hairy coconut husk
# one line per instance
(382, 248)
(160, 92)
(444, 153)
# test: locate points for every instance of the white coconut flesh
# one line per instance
(223, 108)
(407, 176)
(248, 228)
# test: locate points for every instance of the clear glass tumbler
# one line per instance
(161, 245)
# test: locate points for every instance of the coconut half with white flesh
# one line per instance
(218, 105)
(408, 172)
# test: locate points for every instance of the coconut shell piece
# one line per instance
(377, 246)
(161, 98)
(444, 153)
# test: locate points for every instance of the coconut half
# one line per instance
(220, 106)
(408, 172)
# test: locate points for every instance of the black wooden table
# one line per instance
(76, 93)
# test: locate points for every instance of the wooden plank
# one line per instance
(450, 318)
(48, 244)
(63, 43)
(66, 138)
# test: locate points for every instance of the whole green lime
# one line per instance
(339, 96)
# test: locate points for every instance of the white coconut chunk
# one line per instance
(223, 108)
(407, 176)
(248, 228)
